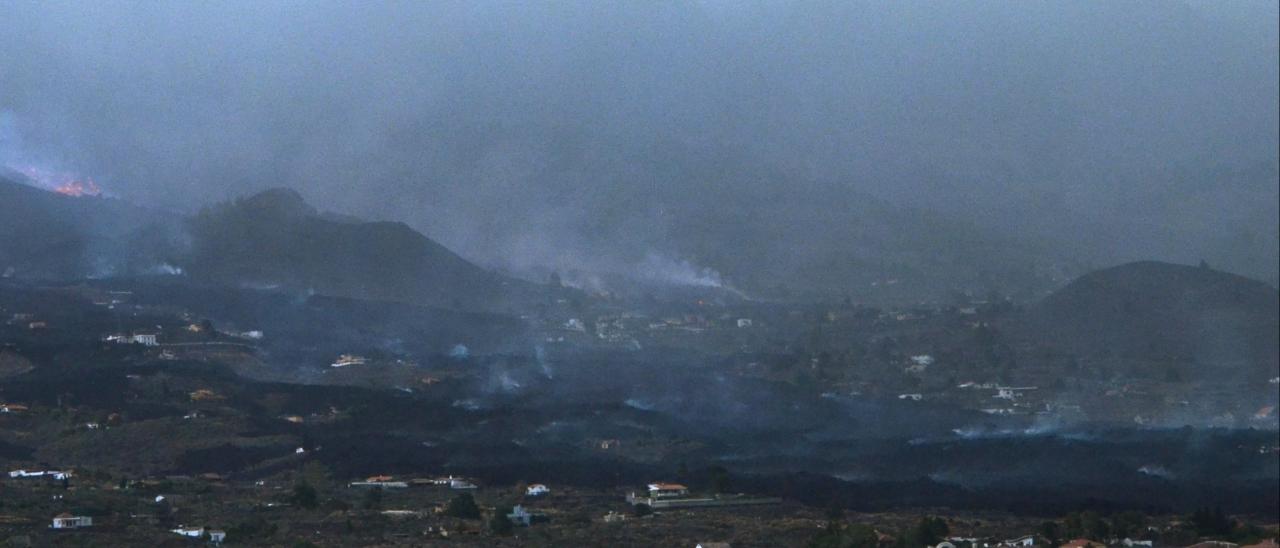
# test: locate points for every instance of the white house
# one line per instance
(1011, 392)
(192, 532)
(744, 322)
(55, 474)
(145, 339)
(459, 483)
(217, 536)
(520, 516)
(1029, 540)
(348, 359)
(537, 490)
(923, 360)
(68, 521)
(667, 490)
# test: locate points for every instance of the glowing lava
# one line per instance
(78, 188)
(66, 184)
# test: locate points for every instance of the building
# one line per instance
(1083, 543)
(190, 532)
(524, 518)
(1214, 544)
(459, 483)
(348, 359)
(537, 490)
(380, 481)
(55, 474)
(68, 521)
(744, 322)
(1029, 540)
(662, 490)
(520, 516)
(145, 339)
(217, 536)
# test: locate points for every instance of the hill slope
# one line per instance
(275, 238)
(1153, 310)
(272, 238)
(48, 235)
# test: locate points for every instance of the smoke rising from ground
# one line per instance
(595, 135)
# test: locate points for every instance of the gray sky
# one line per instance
(559, 132)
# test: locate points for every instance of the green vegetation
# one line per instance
(839, 535)
(463, 506)
(498, 523)
(305, 496)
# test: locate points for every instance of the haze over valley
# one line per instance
(872, 275)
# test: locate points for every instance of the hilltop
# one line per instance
(274, 238)
(48, 235)
(1154, 310)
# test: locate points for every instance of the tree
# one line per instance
(641, 510)
(373, 499)
(837, 535)
(499, 524)
(463, 506)
(719, 479)
(1211, 523)
(1051, 532)
(315, 473)
(1128, 524)
(928, 532)
(254, 528)
(304, 495)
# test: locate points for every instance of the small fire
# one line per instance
(66, 184)
(78, 188)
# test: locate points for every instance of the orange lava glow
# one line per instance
(66, 184)
(78, 188)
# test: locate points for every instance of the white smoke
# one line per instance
(660, 268)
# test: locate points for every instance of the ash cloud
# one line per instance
(596, 135)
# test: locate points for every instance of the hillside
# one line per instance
(270, 239)
(1157, 311)
(276, 238)
(49, 235)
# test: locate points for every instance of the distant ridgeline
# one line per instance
(272, 239)
(1158, 311)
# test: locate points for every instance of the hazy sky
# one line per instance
(545, 132)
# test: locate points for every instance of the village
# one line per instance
(130, 417)
(309, 508)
